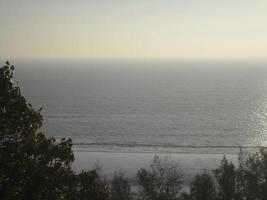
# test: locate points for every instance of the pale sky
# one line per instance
(135, 29)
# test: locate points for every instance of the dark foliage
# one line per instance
(252, 176)
(120, 187)
(247, 182)
(33, 166)
(226, 180)
(90, 187)
(202, 187)
(162, 181)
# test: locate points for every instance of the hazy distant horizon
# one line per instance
(145, 60)
(141, 29)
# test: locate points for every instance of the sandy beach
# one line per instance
(130, 162)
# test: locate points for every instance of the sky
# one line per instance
(133, 29)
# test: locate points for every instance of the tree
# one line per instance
(162, 181)
(202, 187)
(120, 187)
(226, 180)
(90, 187)
(32, 166)
(252, 175)
(185, 196)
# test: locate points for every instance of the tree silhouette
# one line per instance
(202, 187)
(120, 187)
(226, 180)
(32, 165)
(162, 181)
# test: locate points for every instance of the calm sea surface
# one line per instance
(150, 106)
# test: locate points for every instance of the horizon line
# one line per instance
(195, 59)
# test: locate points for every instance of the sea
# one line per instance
(153, 106)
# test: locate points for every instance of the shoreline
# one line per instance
(130, 162)
(154, 149)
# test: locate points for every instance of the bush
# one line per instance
(226, 180)
(248, 181)
(120, 187)
(252, 175)
(202, 187)
(33, 166)
(90, 187)
(162, 181)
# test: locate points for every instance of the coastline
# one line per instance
(130, 162)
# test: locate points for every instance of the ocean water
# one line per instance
(150, 106)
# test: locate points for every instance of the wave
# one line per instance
(170, 146)
(162, 148)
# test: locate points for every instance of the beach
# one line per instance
(120, 114)
(129, 163)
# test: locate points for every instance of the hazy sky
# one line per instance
(133, 29)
